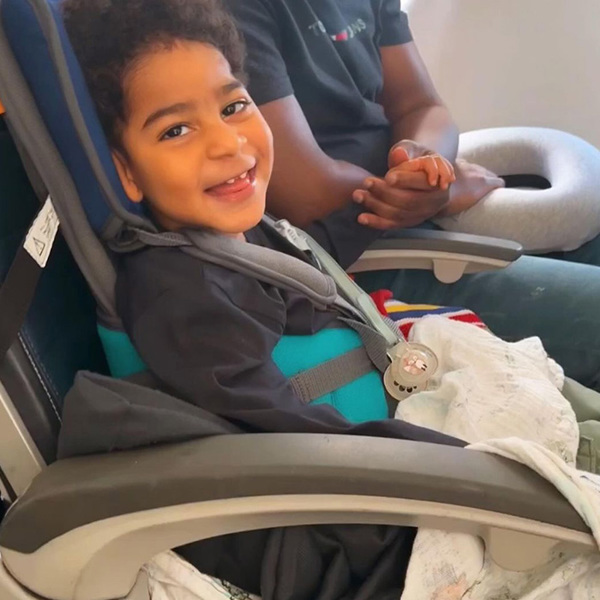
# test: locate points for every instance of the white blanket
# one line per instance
(504, 398)
(170, 577)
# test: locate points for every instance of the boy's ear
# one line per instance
(134, 193)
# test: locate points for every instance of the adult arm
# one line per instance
(416, 112)
(307, 185)
(412, 104)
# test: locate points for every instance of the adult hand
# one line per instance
(473, 182)
(409, 194)
(393, 208)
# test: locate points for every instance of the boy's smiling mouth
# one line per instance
(235, 189)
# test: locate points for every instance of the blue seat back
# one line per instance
(39, 42)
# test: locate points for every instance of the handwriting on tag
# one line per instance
(41, 234)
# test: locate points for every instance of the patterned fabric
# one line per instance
(406, 315)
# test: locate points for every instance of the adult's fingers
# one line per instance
(428, 201)
(408, 200)
(404, 214)
(412, 180)
(385, 210)
(377, 222)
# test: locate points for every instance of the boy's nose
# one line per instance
(224, 140)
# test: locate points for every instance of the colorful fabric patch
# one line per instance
(406, 315)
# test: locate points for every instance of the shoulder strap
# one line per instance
(354, 294)
(323, 287)
(264, 264)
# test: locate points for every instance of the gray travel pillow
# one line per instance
(562, 217)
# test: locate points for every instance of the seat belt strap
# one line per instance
(18, 290)
(337, 372)
(331, 375)
(354, 294)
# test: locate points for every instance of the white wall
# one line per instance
(514, 62)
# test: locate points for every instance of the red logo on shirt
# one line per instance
(340, 37)
(343, 36)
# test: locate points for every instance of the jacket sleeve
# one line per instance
(392, 24)
(214, 350)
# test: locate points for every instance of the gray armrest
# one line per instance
(449, 255)
(96, 520)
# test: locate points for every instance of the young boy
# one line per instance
(187, 140)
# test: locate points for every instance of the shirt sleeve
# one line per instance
(265, 66)
(214, 350)
(392, 24)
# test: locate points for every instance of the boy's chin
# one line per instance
(244, 224)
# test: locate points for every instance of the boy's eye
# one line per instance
(235, 107)
(175, 132)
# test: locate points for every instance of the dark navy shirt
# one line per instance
(327, 54)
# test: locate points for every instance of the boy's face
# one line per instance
(195, 146)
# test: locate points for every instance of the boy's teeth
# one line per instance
(233, 179)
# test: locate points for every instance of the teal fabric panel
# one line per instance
(360, 400)
(123, 359)
(296, 353)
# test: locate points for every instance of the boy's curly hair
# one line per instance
(108, 36)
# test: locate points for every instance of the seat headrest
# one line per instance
(37, 36)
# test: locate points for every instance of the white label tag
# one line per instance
(41, 234)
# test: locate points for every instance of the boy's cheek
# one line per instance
(259, 131)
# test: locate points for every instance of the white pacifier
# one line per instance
(412, 366)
